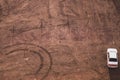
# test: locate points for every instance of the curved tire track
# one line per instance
(41, 52)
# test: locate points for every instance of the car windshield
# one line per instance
(113, 59)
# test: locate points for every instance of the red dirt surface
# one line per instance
(57, 39)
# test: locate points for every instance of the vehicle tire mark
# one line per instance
(42, 58)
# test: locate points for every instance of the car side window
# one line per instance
(108, 55)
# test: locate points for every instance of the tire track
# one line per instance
(41, 52)
(114, 74)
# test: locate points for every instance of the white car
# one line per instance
(112, 58)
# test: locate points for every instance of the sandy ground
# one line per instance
(57, 39)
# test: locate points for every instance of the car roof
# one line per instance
(113, 55)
